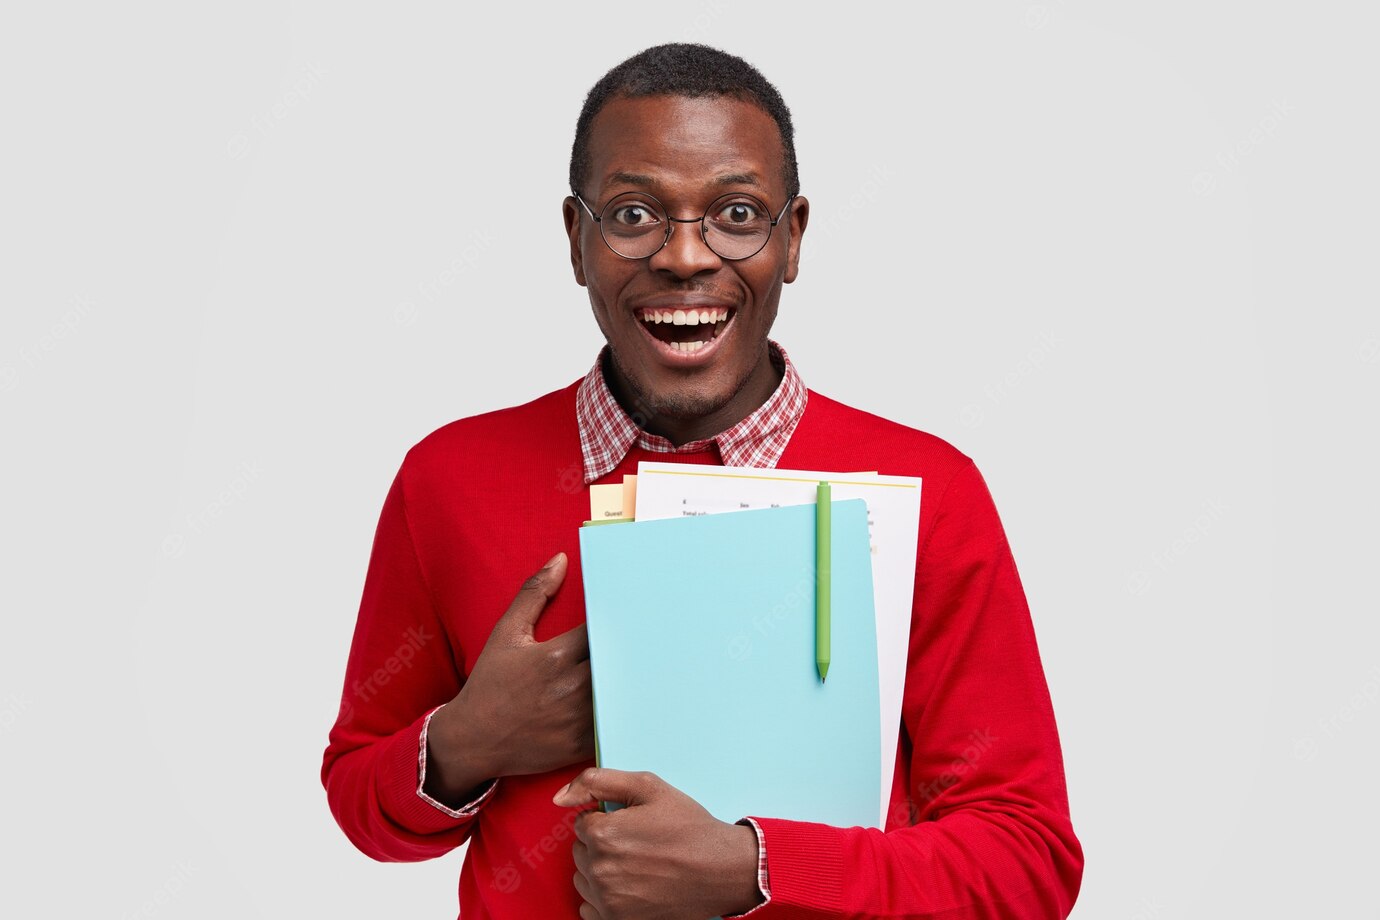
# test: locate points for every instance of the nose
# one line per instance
(685, 253)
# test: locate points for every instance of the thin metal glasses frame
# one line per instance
(704, 229)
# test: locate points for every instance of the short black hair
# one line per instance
(684, 69)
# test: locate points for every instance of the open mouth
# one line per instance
(686, 330)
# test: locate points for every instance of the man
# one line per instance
(466, 713)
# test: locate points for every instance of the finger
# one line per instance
(573, 643)
(522, 614)
(587, 912)
(582, 887)
(580, 853)
(609, 785)
(586, 824)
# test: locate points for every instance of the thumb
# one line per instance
(602, 784)
(522, 614)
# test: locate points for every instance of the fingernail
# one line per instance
(564, 790)
(552, 561)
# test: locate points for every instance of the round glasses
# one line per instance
(734, 226)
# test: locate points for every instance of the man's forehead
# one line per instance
(651, 182)
(709, 141)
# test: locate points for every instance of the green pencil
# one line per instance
(822, 593)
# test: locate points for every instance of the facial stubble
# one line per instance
(648, 405)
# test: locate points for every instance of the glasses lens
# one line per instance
(634, 225)
(737, 226)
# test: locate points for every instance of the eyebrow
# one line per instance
(625, 178)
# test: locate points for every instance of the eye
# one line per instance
(634, 214)
(738, 212)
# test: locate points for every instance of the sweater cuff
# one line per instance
(763, 881)
(804, 861)
(469, 809)
(400, 785)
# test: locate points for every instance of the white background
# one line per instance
(1123, 256)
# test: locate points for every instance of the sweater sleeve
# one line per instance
(988, 834)
(400, 670)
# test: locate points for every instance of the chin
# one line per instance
(658, 392)
(678, 400)
(688, 405)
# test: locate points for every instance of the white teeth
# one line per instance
(686, 346)
(685, 317)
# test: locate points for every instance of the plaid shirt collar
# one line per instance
(607, 433)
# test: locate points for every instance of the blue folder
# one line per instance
(702, 655)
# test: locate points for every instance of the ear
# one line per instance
(796, 221)
(571, 213)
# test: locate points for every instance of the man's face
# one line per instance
(686, 152)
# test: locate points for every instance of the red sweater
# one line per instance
(979, 825)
